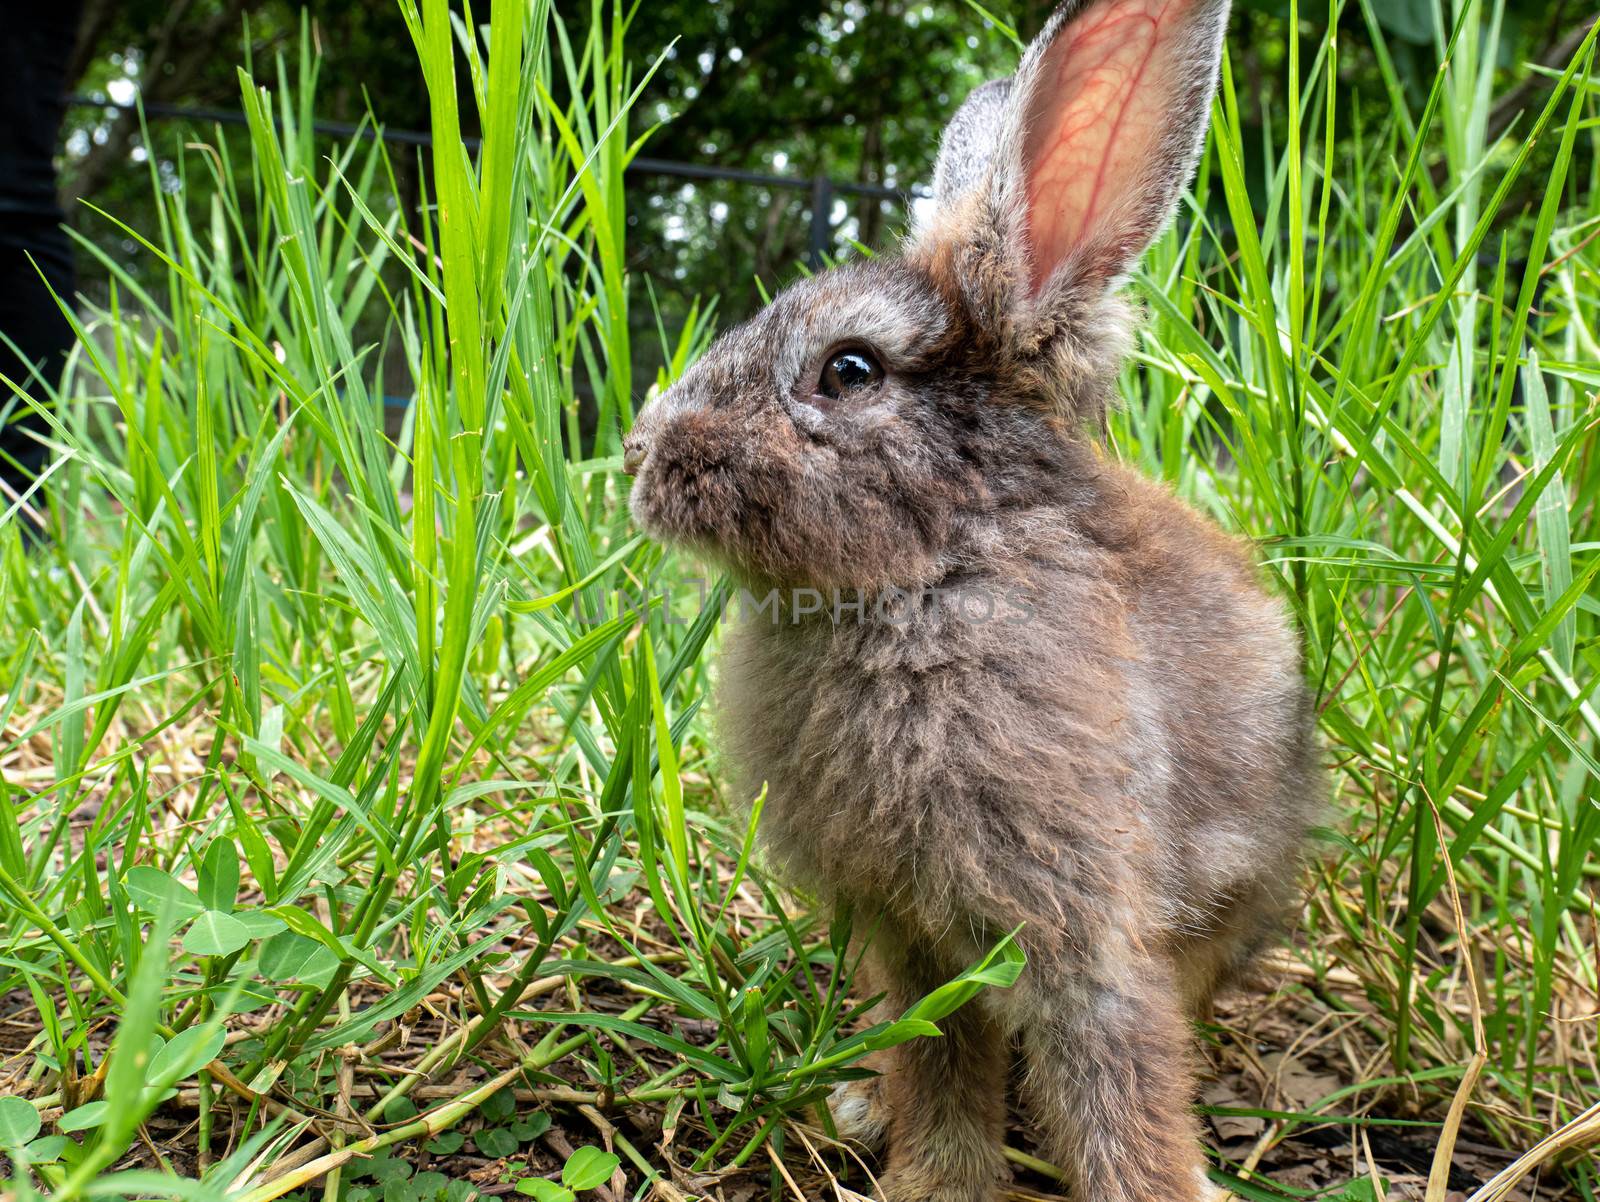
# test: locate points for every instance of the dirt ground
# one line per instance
(1276, 1049)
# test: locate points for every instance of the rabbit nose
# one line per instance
(632, 456)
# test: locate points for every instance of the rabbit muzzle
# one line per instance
(633, 454)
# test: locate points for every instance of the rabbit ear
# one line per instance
(969, 142)
(1106, 119)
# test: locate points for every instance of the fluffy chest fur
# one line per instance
(1038, 742)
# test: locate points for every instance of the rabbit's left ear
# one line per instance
(1088, 148)
(1107, 118)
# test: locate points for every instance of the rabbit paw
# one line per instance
(914, 1186)
(859, 1113)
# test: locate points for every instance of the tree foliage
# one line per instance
(853, 90)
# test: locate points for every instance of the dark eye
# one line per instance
(848, 371)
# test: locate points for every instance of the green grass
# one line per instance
(305, 740)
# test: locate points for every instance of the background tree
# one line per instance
(853, 90)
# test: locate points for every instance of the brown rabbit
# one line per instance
(1003, 681)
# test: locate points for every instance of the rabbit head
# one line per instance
(857, 431)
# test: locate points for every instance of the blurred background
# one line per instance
(838, 90)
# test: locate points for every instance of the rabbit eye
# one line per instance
(848, 371)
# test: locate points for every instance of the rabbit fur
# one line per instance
(1041, 692)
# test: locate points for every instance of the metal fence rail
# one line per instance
(822, 188)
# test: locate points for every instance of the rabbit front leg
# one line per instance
(1110, 1084)
(944, 1096)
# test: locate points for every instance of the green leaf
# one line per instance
(530, 1128)
(215, 934)
(259, 923)
(150, 889)
(187, 1052)
(219, 876)
(136, 1042)
(19, 1121)
(671, 787)
(1550, 512)
(446, 1143)
(429, 1185)
(901, 1030)
(288, 956)
(1359, 1190)
(498, 1107)
(388, 1168)
(999, 969)
(83, 1118)
(495, 1142)
(588, 1167)
(48, 1149)
(309, 926)
(544, 1190)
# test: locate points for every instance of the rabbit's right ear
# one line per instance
(1054, 183)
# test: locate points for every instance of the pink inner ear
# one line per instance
(1105, 88)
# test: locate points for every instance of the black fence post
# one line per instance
(821, 220)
